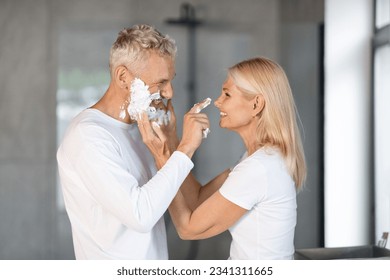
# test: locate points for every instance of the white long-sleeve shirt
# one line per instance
(114, 198)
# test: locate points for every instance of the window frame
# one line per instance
(381, 38)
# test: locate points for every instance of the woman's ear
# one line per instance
(122, 77)
(258, 105)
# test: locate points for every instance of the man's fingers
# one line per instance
(144, 126)
(170, 106)
(158, 131)
(171, 112)
(142, 117)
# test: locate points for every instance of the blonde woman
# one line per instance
(256, 199)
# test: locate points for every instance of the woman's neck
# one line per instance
(249, 138)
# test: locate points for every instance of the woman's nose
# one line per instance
(217, 103)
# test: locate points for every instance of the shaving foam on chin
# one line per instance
(159, 115)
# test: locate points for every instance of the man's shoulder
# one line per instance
(87, 131)
(87, 121)
(86, 117)
(87, 127)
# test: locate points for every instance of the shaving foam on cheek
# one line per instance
(140, 101)
(139, 98)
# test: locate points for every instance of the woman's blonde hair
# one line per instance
(133, 46)
(277, 126)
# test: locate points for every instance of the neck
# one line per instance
(111, 104)
(248, 136)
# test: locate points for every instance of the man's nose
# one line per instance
(167, 92)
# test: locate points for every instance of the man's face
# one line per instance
(158, 75)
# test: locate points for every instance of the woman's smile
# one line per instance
(222, 114)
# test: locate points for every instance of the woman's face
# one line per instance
(236, 111)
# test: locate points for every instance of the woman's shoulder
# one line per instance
(262, 163)
(263, 156)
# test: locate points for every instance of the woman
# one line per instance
(255, 200)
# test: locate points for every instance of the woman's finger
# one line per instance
(202, 118)
(200, 106)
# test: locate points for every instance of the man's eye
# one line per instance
(227, 94)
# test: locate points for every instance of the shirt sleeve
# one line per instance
(246, 184)
(102, 172)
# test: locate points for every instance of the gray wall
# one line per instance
(27, 131)
(33, 222)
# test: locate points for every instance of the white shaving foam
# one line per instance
(140, 99)
(203, 105)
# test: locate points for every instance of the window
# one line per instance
(382, 117)
(382, 13)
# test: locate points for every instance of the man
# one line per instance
(114, 198)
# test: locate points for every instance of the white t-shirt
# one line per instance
(261, 184)
(113, 196)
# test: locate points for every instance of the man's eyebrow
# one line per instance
(163, 80)
(159, 81)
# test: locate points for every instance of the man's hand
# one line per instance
(162, 140)
(154, 139)
(170, 129)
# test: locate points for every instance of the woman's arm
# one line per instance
(215, 215)
(195, 194)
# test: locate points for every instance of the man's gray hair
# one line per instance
(133, 45)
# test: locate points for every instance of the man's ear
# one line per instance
(122, 77)
(258, 104)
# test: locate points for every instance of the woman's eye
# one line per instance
(227, 94)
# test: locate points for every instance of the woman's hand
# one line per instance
(162, 140)
(193, 126)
